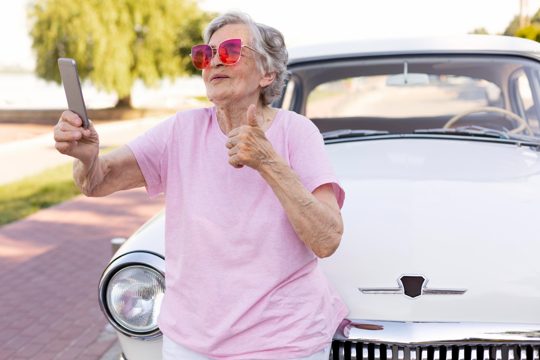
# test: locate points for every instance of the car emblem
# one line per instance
(412, 286)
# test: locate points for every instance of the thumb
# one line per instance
(252, 116)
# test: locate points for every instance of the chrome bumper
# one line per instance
(392, 340)
(436, 333)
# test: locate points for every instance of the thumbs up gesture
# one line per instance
(248, 144)
(252, 116)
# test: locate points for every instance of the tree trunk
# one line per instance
(124, 102)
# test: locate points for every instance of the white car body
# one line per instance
(460, 213)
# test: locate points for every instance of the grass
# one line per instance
(22, 198)
(29, 195)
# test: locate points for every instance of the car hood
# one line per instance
(461, 214)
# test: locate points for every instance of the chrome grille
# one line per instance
(347, 350)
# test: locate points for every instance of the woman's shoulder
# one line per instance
(182, 122)
(297, 122)
(185, 119)
(194, 115)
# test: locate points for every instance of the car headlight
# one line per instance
(131, 292)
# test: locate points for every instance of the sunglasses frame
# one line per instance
(216, 50)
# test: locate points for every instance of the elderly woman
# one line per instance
(251, 202)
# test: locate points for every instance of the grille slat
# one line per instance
(523, 354)
(353, 353)
(343, 350)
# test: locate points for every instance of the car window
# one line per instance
(524, 99)
(288, 95)
(400, 95)
(406, 94)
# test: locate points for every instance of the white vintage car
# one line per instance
(436, 143)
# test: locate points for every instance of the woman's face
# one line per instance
(234, 84)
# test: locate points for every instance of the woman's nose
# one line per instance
(215, 60)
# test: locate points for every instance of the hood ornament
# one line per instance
(412, 286)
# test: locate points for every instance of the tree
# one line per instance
(116, 42)
(480, 31)
(531, 32)
(513, 27)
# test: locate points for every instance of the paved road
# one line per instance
(50, 262)
(27, 157)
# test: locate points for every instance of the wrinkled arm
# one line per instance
(315, 217)
(106, 174)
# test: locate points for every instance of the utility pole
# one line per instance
(523, 13)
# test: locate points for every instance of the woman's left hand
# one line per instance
(248, 144)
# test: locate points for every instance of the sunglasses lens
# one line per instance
(201, 55)
(229, 51)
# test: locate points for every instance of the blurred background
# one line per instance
(135, 53)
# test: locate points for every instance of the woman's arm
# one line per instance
(106, 174)
(315, 217)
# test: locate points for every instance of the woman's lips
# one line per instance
(218, 77)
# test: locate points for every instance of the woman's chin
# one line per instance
(219, 100)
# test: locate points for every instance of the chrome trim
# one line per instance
(400, 290)
(134, 258)
(436, 333)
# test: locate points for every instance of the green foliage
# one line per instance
(116, 42)
(29, 195)
(531, 32)
(22, 198)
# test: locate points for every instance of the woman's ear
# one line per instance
(267, 79)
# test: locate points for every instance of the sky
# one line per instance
(314, 21)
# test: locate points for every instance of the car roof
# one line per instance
(461, 44)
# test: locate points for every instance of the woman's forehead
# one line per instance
(231, 31)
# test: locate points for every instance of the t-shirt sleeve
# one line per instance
(309, 159)
(150, 150)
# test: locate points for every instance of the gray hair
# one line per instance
(267, 41)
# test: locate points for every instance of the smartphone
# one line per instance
(72, 87)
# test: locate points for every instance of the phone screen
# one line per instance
(72, 87)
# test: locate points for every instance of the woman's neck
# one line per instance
(231, 117)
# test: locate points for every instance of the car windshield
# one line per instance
(451, 94)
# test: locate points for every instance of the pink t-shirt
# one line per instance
(240, 283)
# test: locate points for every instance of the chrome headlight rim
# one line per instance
(146, 259)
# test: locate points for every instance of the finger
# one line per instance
(60, 136)
(71, 118)
(66, 126)
(235, 162)
(234, 132)
(233, 151)
(229, 144)
(64, 146)
(90, 131)
(252, 116)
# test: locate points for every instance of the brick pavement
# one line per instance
(50, 264)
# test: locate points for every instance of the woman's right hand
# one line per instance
(74, 140)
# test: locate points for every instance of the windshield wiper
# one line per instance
(468, 131)
(348, 133)
(479, 131)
